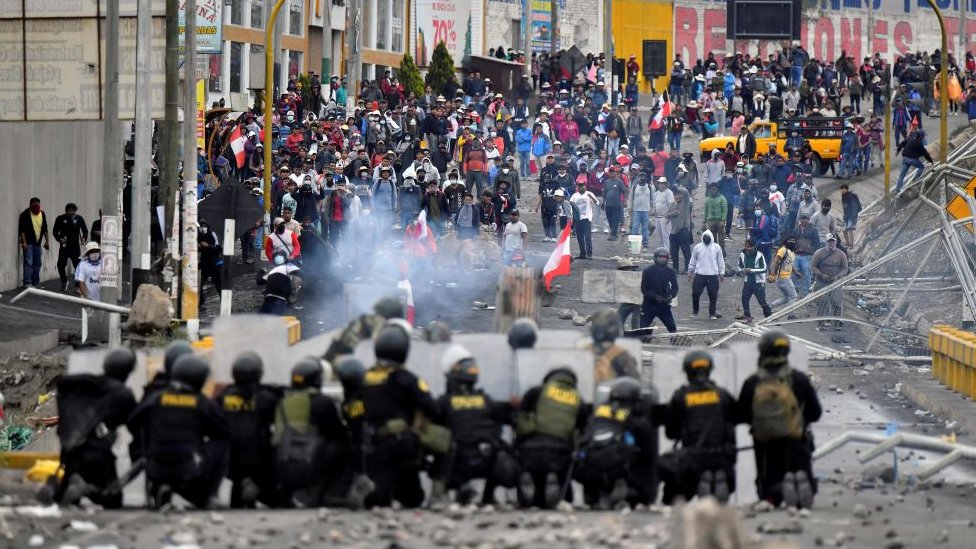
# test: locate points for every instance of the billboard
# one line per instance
(542, 24)
(447, 21)
(209, 25)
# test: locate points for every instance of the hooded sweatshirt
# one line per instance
(707, 259)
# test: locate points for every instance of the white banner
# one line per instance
(447, 21)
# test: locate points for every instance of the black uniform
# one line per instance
(659, 285)
(184, 437)
(700, 417)
(393, 396)
(312, 448)
(476, 424)
(69, 230)
(210, 259)
(250, 411)
(775, 458)
(90, 409)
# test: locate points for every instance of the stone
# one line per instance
(580, 320)
(36, 540)
(151, 310)
(943, 537)
(564, 507)
(566, 314)
(335, 536)
(861, 512)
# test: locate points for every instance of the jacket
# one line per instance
(753, 266)
(716, 208)
(659, 285)
(913, 148)
(640, 198)
(26, 227)
(707, 259)
(523, 140)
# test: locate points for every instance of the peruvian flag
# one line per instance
(663, 111)
(558, 263)
(404, 285)
(237, 145)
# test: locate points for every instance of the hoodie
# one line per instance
(707, 259)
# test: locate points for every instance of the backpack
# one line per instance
(296, 440)
(604, 369)
(606, 447)
(776, 413)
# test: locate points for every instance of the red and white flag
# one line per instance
(404, 285)
(558, 263)
(237, 146)
(663, 111)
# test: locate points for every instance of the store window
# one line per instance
(397, 24)
(296, 17)
(382, 24)
(236, 12)
(257, 14)
(294, 64)
(236, 66)
(216, 64)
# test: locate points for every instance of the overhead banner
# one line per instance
(209, 25)
(447, 21)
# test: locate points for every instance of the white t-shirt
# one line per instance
(90, 273)
(513, 235)
(586, 202)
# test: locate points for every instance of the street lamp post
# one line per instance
(943, 86)
(269, 104)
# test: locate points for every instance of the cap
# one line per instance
(559, 192)
(625, 147)
(830, 236)
(662, 180)
(499, 96)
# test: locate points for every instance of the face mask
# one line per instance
(93, 257)
(706, 239)
(825, 211)
(505, 170)
(291, 118)
(772, 188)
(279, 260)
(203, 229)
(758, 213)
(791, 245)
(642, 183)
(280, 229)
(35, 209)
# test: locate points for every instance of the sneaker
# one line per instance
(619, 493)
(164, 496)
(721, 491)
(593, 230)
(715, 316)
(694, 314)
(466, 494)
(362, 487)
(742, 317)
(804, 490)
(705, 484)
(526, 490)
(606, 230)
(790, 497)
(249, 493)
(553, 490)
(729, 238)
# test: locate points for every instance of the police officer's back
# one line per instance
(618, 450)
(183, 435)
(550, 417)
(610, 360)
(91, 408)
(394, 399)
(160, 381)
(250, 410)
(475, 421)
(350, 372)
(701, 417)
(780, 404)
(310, 441)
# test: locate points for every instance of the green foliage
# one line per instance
(409, 76)
(441, 67)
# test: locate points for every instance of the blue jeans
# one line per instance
(642, 221)
(848, 164)
(674, 140)
(796, 74)
(32, 265)
(803, 270)
(865, 159)
(907, 164)
(524, 159)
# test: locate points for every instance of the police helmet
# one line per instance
(350, 372)
(119, 363)
(192, 371)
(625, 390)
(392, 344)
(306, 373)
(523, 334)
(174, 351)
(389, 307)
(564, 371)
(662, 256)
(248, 368)
(459, 365)
(605, 326)
(698, 362)
(438, 332)
(774, 343)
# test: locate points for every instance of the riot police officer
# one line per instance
(610, 360)
(523, 334)
(476, 424)
(617, 455)
(780, 403)
(91, 408)
(701, 418)
(350, 372)
(173, 352)
(549, 419)
(398, 408)
(364, 327)
(311, 444)
(250, 410)
(183, 435)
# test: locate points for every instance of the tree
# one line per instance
(441, 67)
(409, 76)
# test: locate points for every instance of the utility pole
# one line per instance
(962, 37)
(111, 162)
(141, 176)
(527, 36)
(169, 134)
(553, 33)
(608, 33)
(190, 273)
(326, 42)
(354, 70)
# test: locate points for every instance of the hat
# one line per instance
(250, 134)
(554, 143)
(692, 104)
(91, 247)
(559, 192)
(278, 221)
(830, 236)
(662, 180)
(758, 96)
(700, 77)
(635, 167)
(487, 79)
(510, 159)
(625, 147)
(499, 96)
(364, 169)
(601, 83)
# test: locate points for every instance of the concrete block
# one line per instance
(34, 343)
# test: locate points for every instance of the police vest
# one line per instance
(557, 409)
(607, 427)
(173, 432)
(469, 418)
(706, 425)
(295, 412)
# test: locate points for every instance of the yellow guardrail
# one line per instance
(954, 358)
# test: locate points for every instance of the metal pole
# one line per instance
(170, 142)
(269, 107)
(608, 33)
(527, 36)
(354, 71)
(327, 53)
(888, 137)
(141, 176)
(553, 33)
(190, 271)
(921, 264)
(963, 35)
(943, 87)
(111, 163)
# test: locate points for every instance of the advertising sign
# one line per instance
(542, 24)
(447, 21)
(209, 25)
(111, 251)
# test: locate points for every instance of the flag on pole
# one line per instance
(663, 111)
(558, 263)
(404, 285)
(237, 146)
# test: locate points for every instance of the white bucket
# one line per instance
(635, 243)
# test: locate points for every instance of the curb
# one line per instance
(37, 343)
(947, 405)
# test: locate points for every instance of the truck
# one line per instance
(823, 135)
